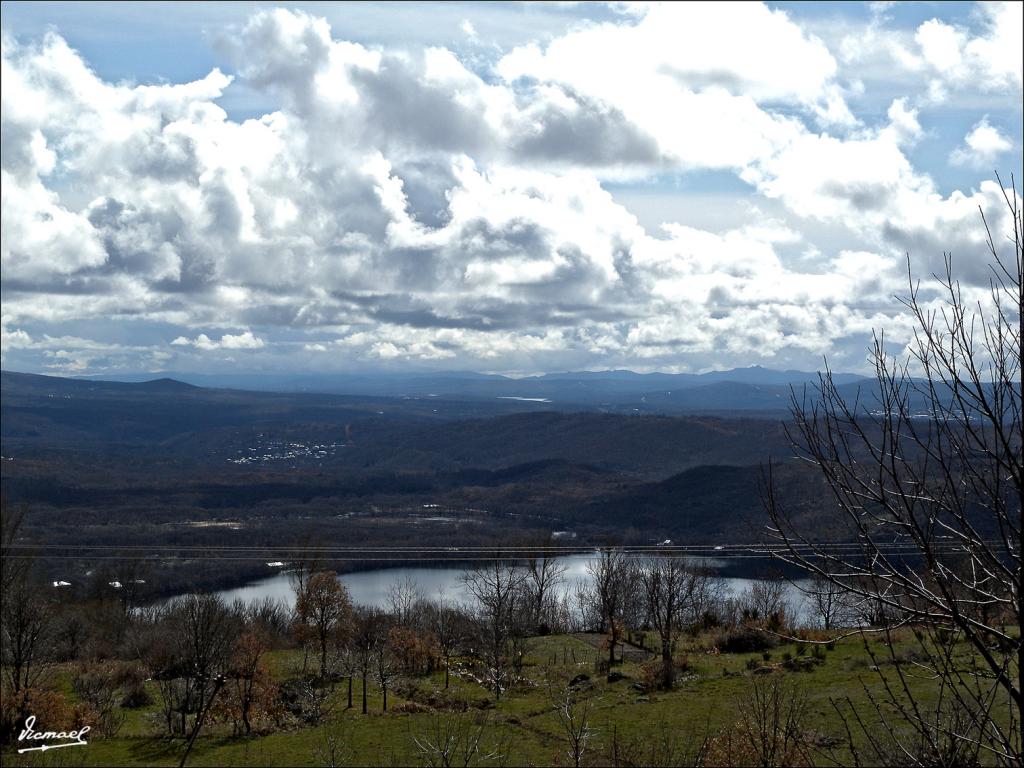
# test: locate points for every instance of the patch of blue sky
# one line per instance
(705, 199)
(157, 41)
(898, 15)
(704, 181)
(139, 43)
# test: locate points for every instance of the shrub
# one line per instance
(98, 684)
(409, 708)
(650, 676)
(131, 679)
(746, 640)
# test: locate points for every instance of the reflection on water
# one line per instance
(371, 587)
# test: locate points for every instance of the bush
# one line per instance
(131, 679)
(99, 685)
(409, 708)
(650, 676)
(52, 710)
(746, 640)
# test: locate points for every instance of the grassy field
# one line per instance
(522, 728)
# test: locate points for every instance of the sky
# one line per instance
(499, 187)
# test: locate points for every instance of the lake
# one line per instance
(371, 587)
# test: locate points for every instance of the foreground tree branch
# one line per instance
(927, 479)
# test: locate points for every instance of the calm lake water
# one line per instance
(371, 587)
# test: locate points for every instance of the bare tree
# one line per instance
(544, 574)
(26, 625)
(335, 748)
(367, 634)
(611, 573)
(829, 601)
(12, 563)
(497, 587)
(771, 724)
(27, 622)
(308, 562)
(675, 592)
(385, 666)
(348, 659)
(573, 708)
(448, 623)
(403, 597)
(764, 601)
(204, 631)
(454, 739)
(928, 481)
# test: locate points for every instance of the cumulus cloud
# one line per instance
(244, 340)
(404, 206)
(982, 145)
(957, 60)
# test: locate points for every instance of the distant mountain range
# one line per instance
(750, 390)
(168, 418)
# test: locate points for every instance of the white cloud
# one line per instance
(989, 61)
(982, 145)
(202, 342)
(412, 209)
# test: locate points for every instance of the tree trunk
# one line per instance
(364, 694)
(349, 692)
(666, 666)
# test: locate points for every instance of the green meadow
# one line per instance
(625, 724)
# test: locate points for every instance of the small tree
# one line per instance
(573, 709)
(829, 601)
(612, 578)
(250, 692)
(769, 730)
(448, 623)
(26, 616)
(404, 598)
(385, 665)
(497, 587)
(204, 630)
(675, 592)
(455, 739)
(544, 574)
(323, 612)
(367, 632)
